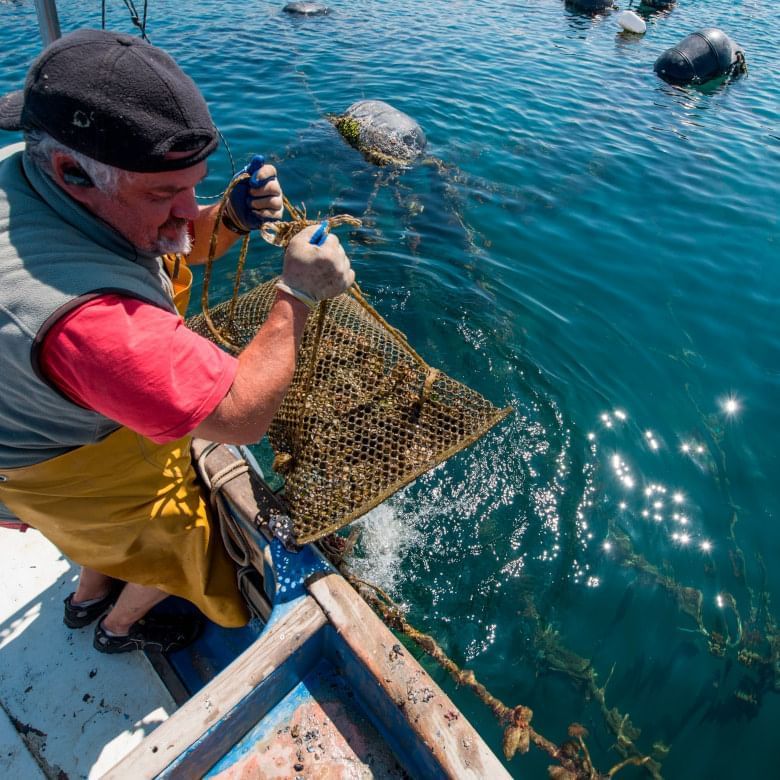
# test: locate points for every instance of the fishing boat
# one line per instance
(325, 689)
(317, 686)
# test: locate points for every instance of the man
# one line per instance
(104, 386)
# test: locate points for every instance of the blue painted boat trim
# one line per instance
(218, 647)
(252, 708)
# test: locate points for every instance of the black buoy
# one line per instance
(658, 3)
(590, 6)
(306, 9)
(702, 56)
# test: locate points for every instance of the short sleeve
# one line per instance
(136, 364)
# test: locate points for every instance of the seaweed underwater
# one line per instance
(572, 757)
(748, 634)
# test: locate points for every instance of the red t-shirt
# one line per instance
(137, 364)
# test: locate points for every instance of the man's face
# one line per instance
(151, 210)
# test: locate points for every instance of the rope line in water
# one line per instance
(134, 16)
(232, 167)
(573, 757)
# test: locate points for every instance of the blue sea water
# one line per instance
(600, 252)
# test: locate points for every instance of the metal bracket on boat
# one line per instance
(281, 527)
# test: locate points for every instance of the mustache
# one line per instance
(174, 222)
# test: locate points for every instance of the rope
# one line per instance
(322, 311)
(227, 474)
(232, 167)
(135, 19)
(573, 756)
(232, 538)
(357, 294)
(204, 299)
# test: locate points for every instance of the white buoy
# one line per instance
(630, 22)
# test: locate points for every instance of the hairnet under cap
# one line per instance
(116, 99)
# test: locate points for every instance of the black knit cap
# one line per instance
(116, 99)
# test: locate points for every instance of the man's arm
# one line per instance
(264, 203)
(139, 364)
(267, 364)
(265, 371)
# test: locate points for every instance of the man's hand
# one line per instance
(255, 200)
(313, 273)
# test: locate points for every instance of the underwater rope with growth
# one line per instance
(755, 649)
(573, 757)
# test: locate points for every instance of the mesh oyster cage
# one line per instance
(364, 415)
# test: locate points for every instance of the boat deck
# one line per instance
(65, 708)
(318, 730)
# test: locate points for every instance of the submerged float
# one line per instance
(590, 6)
(381, 132)
(702, 56)
(306, 9)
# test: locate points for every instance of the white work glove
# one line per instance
(313, 273)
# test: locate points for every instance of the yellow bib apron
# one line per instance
(134, 510)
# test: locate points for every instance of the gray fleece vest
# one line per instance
(54, 255)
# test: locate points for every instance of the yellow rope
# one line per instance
(204, 298)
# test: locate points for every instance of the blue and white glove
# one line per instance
(255, 200)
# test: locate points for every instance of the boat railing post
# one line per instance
(48, 21)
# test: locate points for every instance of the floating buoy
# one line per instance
(384, 134)
(702, 56)
(632, 23)
(658, 3)
(307, 9)
(590, 6)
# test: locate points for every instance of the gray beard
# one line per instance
(173, 246)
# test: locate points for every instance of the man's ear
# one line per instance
(71, 177)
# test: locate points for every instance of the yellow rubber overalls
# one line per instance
(133, 510)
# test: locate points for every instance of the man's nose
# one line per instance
(185, 206)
